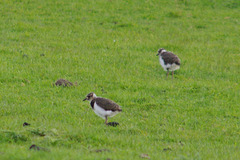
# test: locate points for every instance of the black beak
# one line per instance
(85, 99)
(157, 54)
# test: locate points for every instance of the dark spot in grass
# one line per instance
(108, 159)
(145, 156)
(25, 56)
(163, 91)
(115, 22)
(42, 54)
(37, 148)
(167, 149)
(235, 117)
(181, 143)
(124, 25)
(100, 150)
(114, 124)
(201, 27)
(34, 147)
(26, 124)
(63, 82)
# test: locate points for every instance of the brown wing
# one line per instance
(170, 58)
(107, 104)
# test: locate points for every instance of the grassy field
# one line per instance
(109, 47)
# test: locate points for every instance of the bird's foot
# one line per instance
(114, 124)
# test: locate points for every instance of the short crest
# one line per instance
(161, 50)
(90, 94)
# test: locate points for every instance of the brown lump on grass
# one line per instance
(63, 82)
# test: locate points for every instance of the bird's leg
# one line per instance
(106, 120)
(172, 74)
(167, 72)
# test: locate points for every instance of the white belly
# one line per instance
(170, 67)
(102, 113)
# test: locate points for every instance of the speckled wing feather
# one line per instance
(170, 58)
(107, 104)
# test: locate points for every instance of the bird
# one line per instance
(103, 107)
(168, 60)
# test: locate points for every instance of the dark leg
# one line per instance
(172, 74)
(167, 72)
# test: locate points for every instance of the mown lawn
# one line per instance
(109, 47)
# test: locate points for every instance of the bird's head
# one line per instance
(90, 96)
(160, 51)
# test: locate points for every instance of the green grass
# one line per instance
(109, 47)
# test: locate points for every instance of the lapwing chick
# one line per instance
(103, 107)
(168, 60)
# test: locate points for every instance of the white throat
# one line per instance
(94, 95)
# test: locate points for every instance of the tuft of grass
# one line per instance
(12, 137)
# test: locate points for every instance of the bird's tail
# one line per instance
(120, 110)
(178, 63)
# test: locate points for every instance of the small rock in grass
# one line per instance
(34, 147)
(26, 124)
(114, 124)
(145, 156)
(63, 82)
